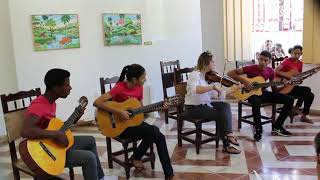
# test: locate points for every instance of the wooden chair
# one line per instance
(114, 156)
(180, 81)
(14, 118)
(167, 69)
(244, 119)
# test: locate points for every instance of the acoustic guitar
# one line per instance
(285, 89)
(111, 125)
(240, 93)
(43, 156)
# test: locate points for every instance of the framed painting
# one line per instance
(55, 31)
(122, 29)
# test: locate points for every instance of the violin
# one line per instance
(212, 76)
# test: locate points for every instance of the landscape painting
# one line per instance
(55, 31)
(122, 29)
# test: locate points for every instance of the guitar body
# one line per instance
(285, 89)
(105, 119)
(38, 160)
(242, 95)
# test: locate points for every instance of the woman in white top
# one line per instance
(198, 99)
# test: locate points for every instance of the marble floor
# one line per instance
(273, 158)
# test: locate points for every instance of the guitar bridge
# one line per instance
(47, 151)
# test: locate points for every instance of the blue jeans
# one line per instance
(84, 153)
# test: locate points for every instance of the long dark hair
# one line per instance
(131, 71)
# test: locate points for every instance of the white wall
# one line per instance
(212, 30)
(172, 25)
(8, 77)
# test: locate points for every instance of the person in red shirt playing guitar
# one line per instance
(130, 85)
(302, 93)
(38, 116)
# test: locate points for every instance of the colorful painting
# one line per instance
(122, 29)
(55, 31)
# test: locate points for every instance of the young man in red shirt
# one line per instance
(267, 73)
(42, 109)
(302, 93)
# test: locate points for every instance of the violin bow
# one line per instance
(224, 69)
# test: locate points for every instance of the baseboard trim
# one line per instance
(315, 112)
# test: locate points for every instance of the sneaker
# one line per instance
(281, 132)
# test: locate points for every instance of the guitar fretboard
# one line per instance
(70, 120)
(147, 108)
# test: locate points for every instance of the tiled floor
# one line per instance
(274, 158)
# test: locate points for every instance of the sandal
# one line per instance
(231, 150)
(138, 165)
(232, 140)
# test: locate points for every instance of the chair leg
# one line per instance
(179, 130)
(16, 173)
(152, 157)
(71, 173)
(166, 114)
(126, 160)
(239, 114)
(198, 137)
(274, 111)
(109, 152)
(134, 144)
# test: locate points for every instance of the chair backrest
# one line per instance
(14, 115)
(243, 63)
(110, 82)
(180, 77)
(277, 61)
(20, 100)
(167, 70)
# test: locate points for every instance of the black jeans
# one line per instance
(304, 95)
(150, 134)
(84, 153)
(271, 97)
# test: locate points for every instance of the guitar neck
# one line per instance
(264, 85)
(74, 116)
(309, 72)
(147, 108)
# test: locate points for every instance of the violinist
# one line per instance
(198, 99)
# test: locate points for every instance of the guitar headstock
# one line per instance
(83, 102)
(175, 100)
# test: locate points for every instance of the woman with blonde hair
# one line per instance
(198, 99)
